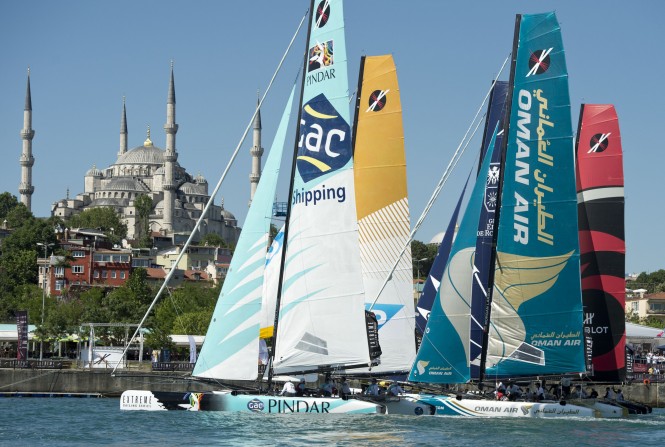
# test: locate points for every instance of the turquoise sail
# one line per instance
(536, 310)
(231, 347)
(444, 354)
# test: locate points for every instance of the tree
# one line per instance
(18, 216)
(213, 240)
(20, 267)
(128, 304)
(419, 251)
(105, 218)
(8, 201)
(143, 205)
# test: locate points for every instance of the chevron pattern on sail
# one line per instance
(383, 211)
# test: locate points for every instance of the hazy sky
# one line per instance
(85, 56)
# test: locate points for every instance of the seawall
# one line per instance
(100, 381)
(95, 381)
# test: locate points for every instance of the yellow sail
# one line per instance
(383, 210)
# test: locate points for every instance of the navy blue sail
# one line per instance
(495, 119)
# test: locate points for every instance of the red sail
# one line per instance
(600, 200)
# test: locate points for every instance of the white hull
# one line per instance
(251, 403)
(451, 406)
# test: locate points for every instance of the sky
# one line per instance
(84, 57)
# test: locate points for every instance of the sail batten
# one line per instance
(383, 211)
(231, 347)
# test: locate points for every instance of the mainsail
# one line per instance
(231, 347)
(536, 305)
(600, 201)
(483, 256)
(444, 354)
(383, 210)
(322, 305)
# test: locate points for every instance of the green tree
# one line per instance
(106, 219)
(128, 304)
(423, 256)
(213, 240)
(20, 267)
(18, 216)
(143, 205)
(8, 201)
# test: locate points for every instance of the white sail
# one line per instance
(322, 315)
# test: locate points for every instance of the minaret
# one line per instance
(256, 151)
(123, 129)
(171, 157)
(25, 188)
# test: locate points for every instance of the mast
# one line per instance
(497, 215)
(359, 92)
(289, 203)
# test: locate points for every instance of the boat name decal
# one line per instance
(318, 194)
(571, 338)
(546, 162)
(520, 212)
(297, 406)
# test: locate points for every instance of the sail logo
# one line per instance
(377, 100)
(384, 312)
(321, 55)
(492, 187)
(255, 405)
(599, 142)
(539, 62)
(322, 13)
(323, 146)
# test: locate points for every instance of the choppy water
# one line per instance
(84, 422)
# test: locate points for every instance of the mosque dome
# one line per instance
(191, 188)
(142, 155)
(94, 172)
(200, 179)
(148, 154)
(227, 215)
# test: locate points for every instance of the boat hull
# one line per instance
(251, 403)
(451, 406)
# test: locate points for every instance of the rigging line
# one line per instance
(214, 192)
(441, 183)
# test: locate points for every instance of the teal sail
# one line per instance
(536, 310)
(444, 354)
(231, 347)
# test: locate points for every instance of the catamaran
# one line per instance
(531, 321)
(320, 280)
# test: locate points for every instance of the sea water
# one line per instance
(85, 422)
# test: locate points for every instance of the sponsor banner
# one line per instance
(22, 331)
